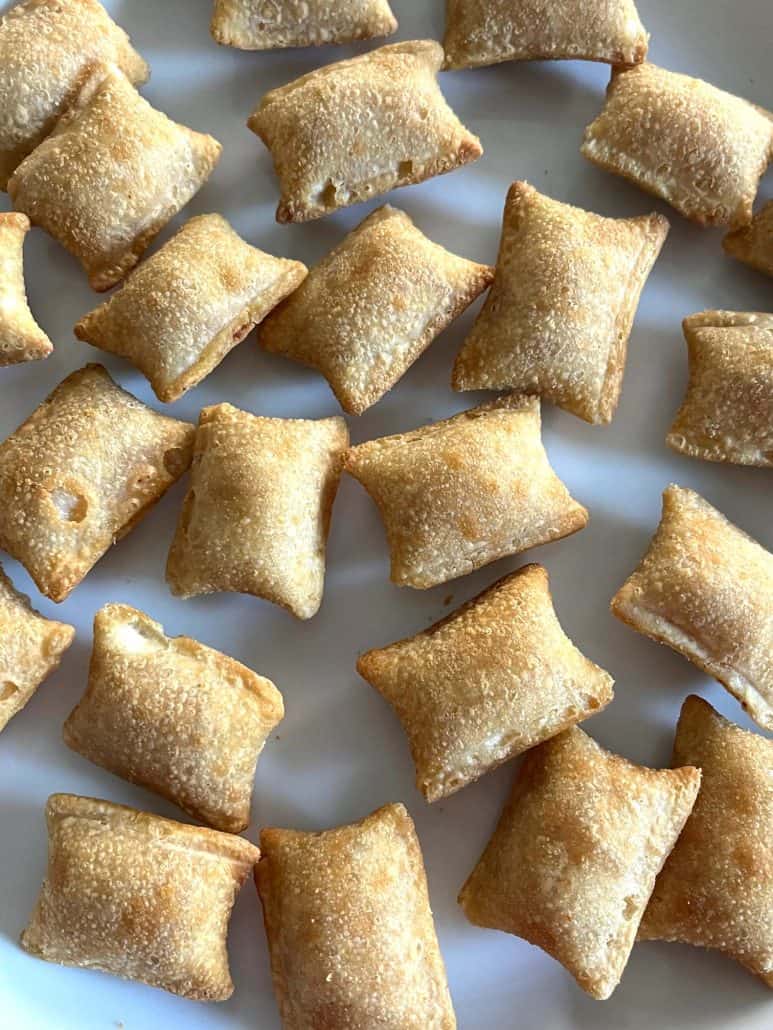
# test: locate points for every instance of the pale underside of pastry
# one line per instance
(350, 131)
(573, 860)
(257, 514)
(705, 588)
(179, 314)
(458, 494)
(698, 148)
(138, 896)
(753, 244)
(21, 338)
(373, 306)
(31, 647)
(559, 314)
(110, 176)
(80, 473)
(481, 32)
(47, 50)
(175, 716)
(489, 681)
(349, 927)
(727, 412)
(273, 24)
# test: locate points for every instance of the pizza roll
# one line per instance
(705, 588)
(142, 897)
(21, 338)
(345, 133)
(110, 176)
(727, 412)
(187, 306)
(373, 306)
(262, 25)
(80, 473)
(481, 32)
(558, 317)
(47, 50)
(754, 243)
(31, 647)
(256, 517)
(489, 681)
(698, 148)
(573, 860)
(349, 927)
(458, 494)
(716, 888)
(175, 716)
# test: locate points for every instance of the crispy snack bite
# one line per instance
(21, 338)
(572, 863)
(753, 244)
(254, 25)
(349, 927)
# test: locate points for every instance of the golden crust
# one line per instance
(558, 317)
(350, 929)
(249, 25)
(21, 338)
(80, 473)
(458, 494)
(47, 50)
(31, 647)
(698, 148)
(705, 588)
(257, 514)
(139, 896)
(111, 175)
(489, 681)
(573, 861)
(716, 888)
(727, 412)
(349, 131)
(175, 716)
(373, 306)
(482, 32)
(187, 306)
(754, 243)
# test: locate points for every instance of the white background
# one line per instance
(340, 752)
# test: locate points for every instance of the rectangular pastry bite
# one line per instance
(705, 589)
(179, 314)
(350, 929)
(753, 244)
(21, 338)
(373, 306)
(138, 896)
(110, 176)
(573, 860)
(80, 473)
(350, 131)
(254, 25)
(175, 716)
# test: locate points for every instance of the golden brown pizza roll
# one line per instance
(47, 50)
(31, 647)
(753, 244)
(705, 588)
(558, 317)
(349, 927)
(257, 25)
(372, 306)
(716, 888)
(727, 412)
(175, 716)
(80, 473)
(698, 148)
(458, 494)
(139, 896)
(187, 306)
(110, 176)
(345, 133)
(256, 517)
(489, 681)
(21, 338)
(573, 860)
(480, 32)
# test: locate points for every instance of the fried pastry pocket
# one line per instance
(753, 244)
(21, 338)
(249, 25)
